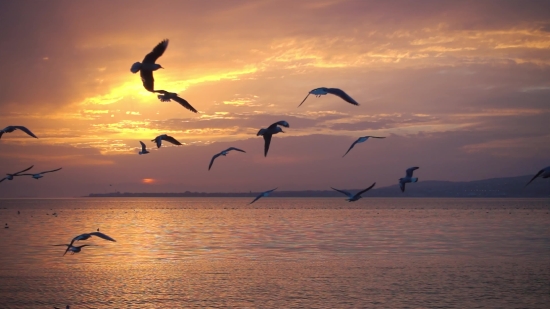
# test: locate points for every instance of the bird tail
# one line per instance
(414, 179)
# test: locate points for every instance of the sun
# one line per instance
(148, 180)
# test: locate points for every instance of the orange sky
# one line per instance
(460, 89)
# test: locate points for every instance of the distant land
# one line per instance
(495, 187)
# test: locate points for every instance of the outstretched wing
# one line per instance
(375, 136)
(350, 148)
(340, 93)
(212, 161)
(185, 104)
(156, 53)
(24, 129)
(51, 171)
(343, 192)
(537, 175)
(158, 141)
(304, 99)
(410, 171)
(267, 139)
(1, 133)
(172, 140)
(278, 123)
(257, 198)
(402, 186)
(148, 80)
(2, 179)
(367, 189)
(23, 170)
(233, 148)
(143, 148)
(269, 191)
(101, 235)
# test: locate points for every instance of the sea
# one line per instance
(276, 253)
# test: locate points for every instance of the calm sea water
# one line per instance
(283, 253)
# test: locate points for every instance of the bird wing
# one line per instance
(257, 198)
(267, 139)
(23, 170)
(185, 104)
(172, 140)
(269, 191)
(350, 147)
(375, 136)
(233, 148)
(283, 123)
(24, 129)
(367, 189)
(158, 141)
(101, 235)
(340, 93)
(402, 186)
(156, 53)
(51, 171)
(1, 133)
(143, 148)
(304, 99)
(212, 161)
(537, 175)
(148, 80)
(343, 192)
(410, 171)
(2, 179)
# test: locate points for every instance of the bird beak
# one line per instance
(161, 67)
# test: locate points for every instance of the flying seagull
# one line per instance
(165, 137)
(223, 153)
(73, 249)
(39, 175)
(272, 129)
(335, 91)
(356, 196)
(408, 178)
(360, 140)
(86, 236)
(10, 129)
(167, 96)
(263, 194)
(10, 176)
(543, 173)
(148, 65)
(143, 149)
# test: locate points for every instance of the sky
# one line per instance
(459, 88)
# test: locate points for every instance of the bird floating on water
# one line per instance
(268, 133)
(263, 194)
(360, 140)
(39, 175)
(223, 153)
(356, 196)
(335, 91)
(408, 178)
(168, 96)
(148, 65)
(10, 129)
(143, 149)
(10, 176)
(543, 173)
(165, 137)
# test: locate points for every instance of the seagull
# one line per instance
(10, 129)
(165, 137)
(263, 194)
(10, 176)
(352, 197)
(335, 91)
(86, 236)
(143, 149)
(39, 175)
(543, 173)
(408, 178)
(167, 96)
(148, 65)
(223, 153)
(272, 129)
(360, 140)
(73, 249)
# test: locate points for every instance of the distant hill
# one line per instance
(494, 187)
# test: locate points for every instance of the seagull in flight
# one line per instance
(223, 153)
(39, 175)
(356, 196)
(10, 176)
(335, 91)
(543, 173)
(73, 249)
(143, 149)
(360, 140)
(263, 194)
(165, 137)
(168, 96)
(272, 129)
(10, 129)
(84, 237)
(148, 65)
(408, 178)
